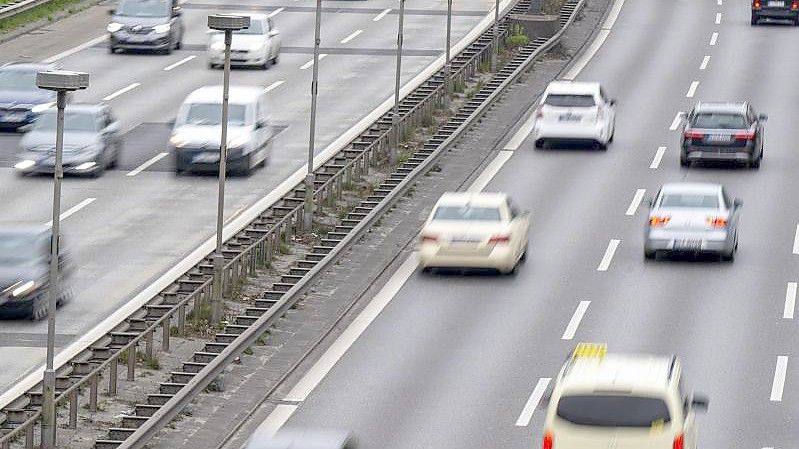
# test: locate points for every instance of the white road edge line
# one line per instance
(275, 12)
(779, 378)
(608, 257)
(718, 18)
(713, 38)
(275, 420)
(796, 241)
(179, 63)
(66, 214)
(705, 62)
(574, 323)
(490, 171)
(273, 86)
(75, 49)
(146, 164)
(310, 63)
(658, 157)
(533, 401)
(637, 198)
(676, 122)
(381, 15)
(692, 89)
(351, 36)
(121, 91)
(790, 301)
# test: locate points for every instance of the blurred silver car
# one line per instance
(303, 439)
(257, 46)
(692, 218)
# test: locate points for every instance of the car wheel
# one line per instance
(39, 308)
(246, 166)
(65, 297)
(274, 60)
(684, 160)
(755, 163)
(168, 50)
(728, 257)
(649, 255)
(178, 45)
(539, 143)
(600, 146)
(112, 49)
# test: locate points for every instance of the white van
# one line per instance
(196, 136)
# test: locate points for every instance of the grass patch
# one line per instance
(518, 38)
(153, 364)
(46, 11)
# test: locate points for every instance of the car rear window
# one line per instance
(468, 213)
(210, 114)
(613, 410)
(570, 101)
(689, 200)
(715, 120)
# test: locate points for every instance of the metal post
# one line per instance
(496, 37)
(448, 63)
(307, 215)
(394, 149)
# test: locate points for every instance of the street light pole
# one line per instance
(496, 37)
(308, 210)
(62, 82)
(228, 24)
(448, 63)
(395, 115)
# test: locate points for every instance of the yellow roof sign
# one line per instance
(585, 350)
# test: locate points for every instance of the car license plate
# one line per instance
(688, 244)
(776, 3)
(718, 137)
(206, 158)
(569, 118)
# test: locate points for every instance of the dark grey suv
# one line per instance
(154, 25)
(775, 9)
(723, 132)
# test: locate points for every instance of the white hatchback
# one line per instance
(259, 45)
(474, 230)
(572, 111)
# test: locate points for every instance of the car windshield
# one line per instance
(73, 121)
(256, 27)
(143, 8)
(613, 411)
(17, 80)
(714, 120)
(21, 249)
(689, 200)
(570, 101)
(468, 213)
(210, 114)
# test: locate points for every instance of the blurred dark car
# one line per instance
(775, 9)
(303, 439)
(92, 142)
(723, 132)
(21, 101)
(24, 269)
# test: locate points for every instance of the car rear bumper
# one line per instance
(250, 60)
(580, 132)
(186, 160)
(41, 169)
(153, 43)
(776, 13)
(673, 241)
(498, 258)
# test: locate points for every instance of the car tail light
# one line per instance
(717, 222)
(756, 4)
(657, 221)
(678, 442)
(746, 136)
(548, 441)
(429, 238)
(693, 135)
(499, 238)
(795, 5)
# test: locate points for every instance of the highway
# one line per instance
(452, 361)
(133, 224)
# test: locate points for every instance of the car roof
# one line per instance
(301, 439)
(731, 107)
(213, 94)
(691, 187)
(477, 198)
(28, 66)
(618, 372)
(572, 87)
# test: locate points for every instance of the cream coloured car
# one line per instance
(474, 230)
(620, 401)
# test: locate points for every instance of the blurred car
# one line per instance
(303, 439)
(196, 136)
(24, 269)
(474, 230)
(623, 401)
(154, 25)
(692, 218)
(775, 9)
(92, 142)
(723, 132)
(259, 45)
(571, 111)
(21, 101)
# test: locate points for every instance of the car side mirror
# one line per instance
(699, 402)
(737, 202)
(273, 33)
(177, 11)
(111, 12)
(762, 117)
(612, 102)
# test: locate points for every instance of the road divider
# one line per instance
(676, 122)
(71, 211)
(790, 301)
(692, 89)
(351, 36)
(658, 157)
(778, 384)
(532, 403)
(574, 323)
(608, 257)
(309, 64)
(147, 164)
(714, 38)
(381, 15)
(276, 12)
(179, 63)
(704, 63)
(639, 195)
(124, 90)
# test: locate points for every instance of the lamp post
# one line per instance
(395, 116)
(308, 210)
(496, 37)
(448, 66)
(61, 81)
(227, 23)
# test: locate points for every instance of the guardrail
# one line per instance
(254, 247)
(19, 6)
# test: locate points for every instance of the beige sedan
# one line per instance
(474, 230)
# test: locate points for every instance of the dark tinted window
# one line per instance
(613, 411)
(22, 249)
(715, 120)
(17, 80)
(143, 8)
(570, 101)
(689, 200)
(467, 213)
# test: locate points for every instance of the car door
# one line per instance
(753, 118)
(689, 417)
(609, 110)
(518, 228)
(734, 213)
(275, 40)
(114, 138)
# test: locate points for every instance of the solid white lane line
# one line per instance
(275, 420)
(76, 49)
(574, 323)
(490, 171)
(148, 163)
(676, 122)
(516, 141)
(181, 62)
(796, 241)
(532, 403)
(779, 378)
(320, 369)
(121, 91)
(692, 89)
(64, 215)
(273, 86)
(718, 18)
(713, 38)
(705, 62)
(310, 63)
(658, 157)
(790, 301)
(639, 195)
(351, 36)
(381, 15)
(275, 12)
(608, 257)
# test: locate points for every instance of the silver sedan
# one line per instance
(692, 218)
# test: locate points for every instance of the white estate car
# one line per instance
(571, 111)
(259, 45)
(620, 401)
(474, 230)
